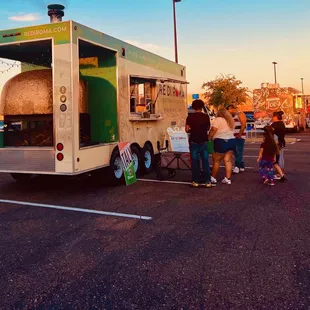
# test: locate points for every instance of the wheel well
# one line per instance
(114, 150)
(136, 145)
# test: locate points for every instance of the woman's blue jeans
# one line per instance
(200, 150)
(239, 153)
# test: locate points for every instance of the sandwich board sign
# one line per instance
(128, 163)
(178, 140)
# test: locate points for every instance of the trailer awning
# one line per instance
(160, 79)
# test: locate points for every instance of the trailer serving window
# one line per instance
(27, 95)
(142, 95)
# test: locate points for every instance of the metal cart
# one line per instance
(171, 162)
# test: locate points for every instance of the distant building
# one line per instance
(272, 98)
(307, 103)
(248, 105)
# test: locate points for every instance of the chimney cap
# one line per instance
(55, 7)
(55, 12)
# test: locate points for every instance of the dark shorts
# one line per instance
(280, 159)
(223, 146)
(277, 159)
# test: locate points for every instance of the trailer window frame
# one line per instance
(145, 102)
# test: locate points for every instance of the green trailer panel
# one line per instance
(60, 32)
(102, 96)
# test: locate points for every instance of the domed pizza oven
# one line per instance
(31, 92)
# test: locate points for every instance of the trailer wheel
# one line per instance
(116, 168)
(147, 156)
(21, 177)
(136, 158)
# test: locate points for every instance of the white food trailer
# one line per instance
(80, 93)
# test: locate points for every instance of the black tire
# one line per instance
(147, 159)
(137, 158)
(21, 177)
(116, 168)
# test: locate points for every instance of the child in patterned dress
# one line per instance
(267, 156)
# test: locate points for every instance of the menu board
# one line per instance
(178, 140)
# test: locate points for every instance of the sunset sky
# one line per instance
(240, 37)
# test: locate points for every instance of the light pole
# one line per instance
(275, 72)
(175, 30)
(302, 85)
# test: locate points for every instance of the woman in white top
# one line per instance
(222, 132)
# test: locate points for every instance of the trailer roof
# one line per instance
(61, 34)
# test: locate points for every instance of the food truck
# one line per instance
(272, 98)
(79, 94)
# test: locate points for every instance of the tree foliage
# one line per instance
(225, 90)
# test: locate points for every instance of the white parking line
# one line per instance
(254, 144)
(158, 181)
(31, 204)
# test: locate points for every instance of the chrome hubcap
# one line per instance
(135, 161)
(118, 171)
(147, 159)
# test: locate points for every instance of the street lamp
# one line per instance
(275, 72)
(175, 30)
(302, 85)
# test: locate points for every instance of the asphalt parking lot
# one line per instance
(243, 246)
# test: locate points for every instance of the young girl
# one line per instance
(267, 156)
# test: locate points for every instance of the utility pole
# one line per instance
(275, 72)
(175, 30)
